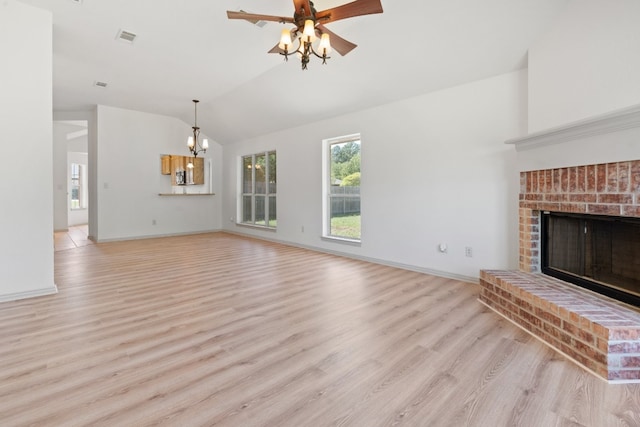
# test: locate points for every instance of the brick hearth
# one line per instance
(598, 333)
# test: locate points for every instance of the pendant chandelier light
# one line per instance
(193, 142)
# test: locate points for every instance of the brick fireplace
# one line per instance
(603, 189)
(598, 333)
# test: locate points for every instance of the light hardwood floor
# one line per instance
(216, 329)
(75, 237)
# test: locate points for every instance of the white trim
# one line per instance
(256, 226)
(344, 240)
(326, 186)
(29, 294)
(153, 236)
(326, 176)
(417, 269)
(618, 120)
(267, 195)
(343, 139)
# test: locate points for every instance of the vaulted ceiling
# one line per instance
(188, 50)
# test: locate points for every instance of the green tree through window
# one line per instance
(342, 211)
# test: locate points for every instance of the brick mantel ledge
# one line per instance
(598, 333)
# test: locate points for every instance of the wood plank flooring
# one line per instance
(216, 329)
(75, 237)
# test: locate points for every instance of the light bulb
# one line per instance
(205, 144)
(190, 142)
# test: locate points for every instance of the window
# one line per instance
(258, 206)
(78, 185)
(342, 188)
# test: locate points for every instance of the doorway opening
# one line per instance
(70, 181)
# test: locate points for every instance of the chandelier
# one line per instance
(193, 142)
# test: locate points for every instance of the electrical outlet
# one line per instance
(468, 251)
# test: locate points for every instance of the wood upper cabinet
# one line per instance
(166, 165)
(181, 174)
(198, 171)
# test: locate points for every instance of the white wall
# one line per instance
(60, 176)
(587, 64)
(434, 169)
(129, 147)
(26, 217)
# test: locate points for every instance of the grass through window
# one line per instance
(347, 226)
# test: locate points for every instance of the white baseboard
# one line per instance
(417, 269)
(29, 294)
(151, 236)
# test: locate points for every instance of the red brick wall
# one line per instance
(603, 189)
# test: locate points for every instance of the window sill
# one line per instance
(342, 240)
(186, 194)
(259, 227)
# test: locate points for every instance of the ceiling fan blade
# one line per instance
(349, 10)
(253, 17)
(275, 49)
(302, 4)
(339, 44)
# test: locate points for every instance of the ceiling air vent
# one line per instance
(100, 84)
(126, 36)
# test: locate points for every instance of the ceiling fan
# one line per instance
(310, 24)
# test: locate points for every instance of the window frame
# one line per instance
(268, 195)
(327, 144)
(78, 184)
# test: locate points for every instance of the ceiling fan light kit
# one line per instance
(305, 44)
(309, 26)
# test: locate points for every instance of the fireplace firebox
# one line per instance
(600, 253)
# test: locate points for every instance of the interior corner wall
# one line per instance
(586, 65)
(435, 169)
(26, 218)
(129, 148)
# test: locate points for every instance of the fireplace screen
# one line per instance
(600, 253)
